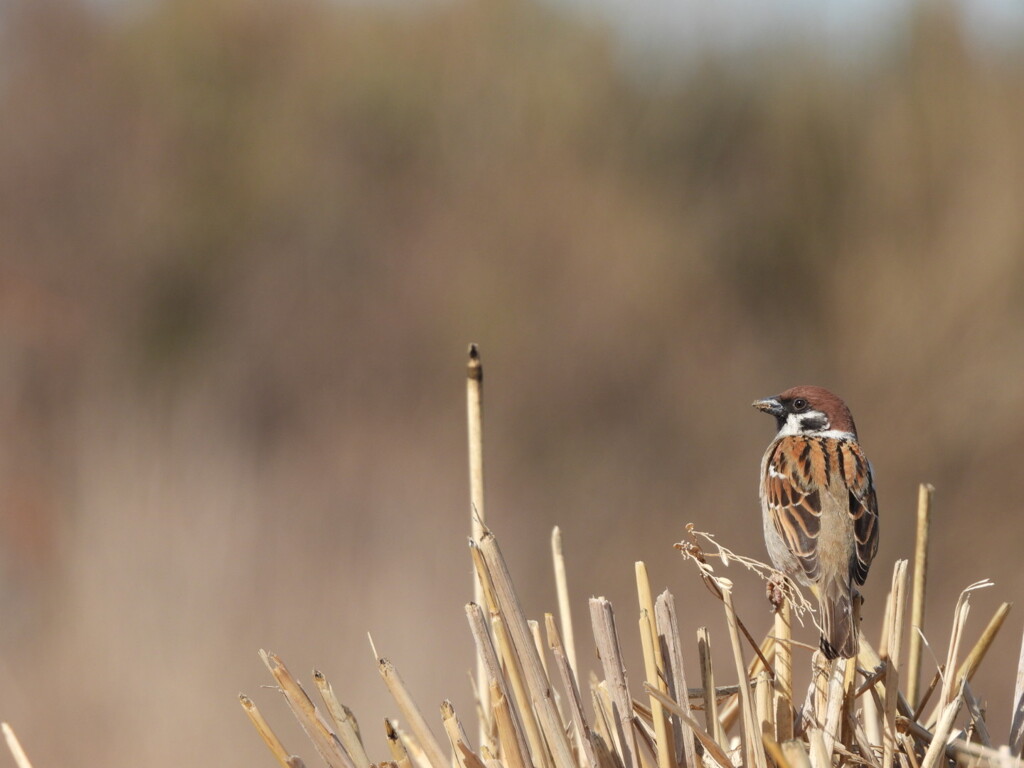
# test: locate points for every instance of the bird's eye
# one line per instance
(799, 405)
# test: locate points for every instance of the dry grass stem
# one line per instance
(977, 653)
(425, 738)
(711, 745)
(925, 492)
(345, 725)
(1016, 739)
(707, 680)
(309, 717)
(396, 745)
(475, 428)
(15, 746)
(795, 753)
(654, 667)
(855, 712)
(607, 641)
(751, 730)
(564, 604)
(668, 635)
(584, 739)
(537, 681)
(783, 698)
(264, 730)
(512, 752)
(890, 655)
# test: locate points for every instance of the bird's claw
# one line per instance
(776, 590)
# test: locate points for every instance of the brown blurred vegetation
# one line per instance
(243, 246)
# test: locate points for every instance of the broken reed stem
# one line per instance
(345, 726)
(513, 667)
(925, 493)
(937, 748)
(977, 653)
(795, 754)
(511, 745)
(309, 717)
(584, 738)
(475, 428)
(457, 738)
(783, 696)
(15, 746)
(564, 606)
(709, 742)
(752, 732)
(707, 681)
(396, 745)
(606, 637)
(1016, 740)
(834, 706)
(537, 682)
(424, 736)
(668, 636)
(950, 684)
(890, 654)
(519, 685)
(264, 730)
(654, 667)
(492, 666)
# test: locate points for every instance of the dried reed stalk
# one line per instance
(654, 666)
(15, 746)
(345, 725)
(564, 604)
(783, 698)
(855, 713)
(264, 730)
(752, 733)
(668, 635)
(475, 430)
(607, 640)
(1016, 739)
(925, 493)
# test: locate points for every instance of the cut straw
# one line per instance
(1016, 740)
(262, 728)
(15, 746)
(752, 733)
(564, 606)
(574, 702)
(668, 635)
(654, 666)
(424, 736)
(345, 725)
(605, 636)
(475, 430)
(925, 493)
(309, 717)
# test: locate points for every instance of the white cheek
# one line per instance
(792, 426)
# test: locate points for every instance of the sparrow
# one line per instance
(819, 507)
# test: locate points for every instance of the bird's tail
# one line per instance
(838, 631)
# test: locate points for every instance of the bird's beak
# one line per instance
(769, 405)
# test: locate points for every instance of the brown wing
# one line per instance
(794, 500)
(856, 476)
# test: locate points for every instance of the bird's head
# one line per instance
(808, 410)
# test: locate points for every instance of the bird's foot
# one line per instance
(776, 590)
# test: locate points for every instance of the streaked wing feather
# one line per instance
(795, 506)
(863, 510)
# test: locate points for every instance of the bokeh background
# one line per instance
(244, 245)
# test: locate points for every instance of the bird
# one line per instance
(819, 507)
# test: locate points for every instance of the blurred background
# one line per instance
(244, 246)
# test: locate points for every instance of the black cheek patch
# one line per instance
(812, 423)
